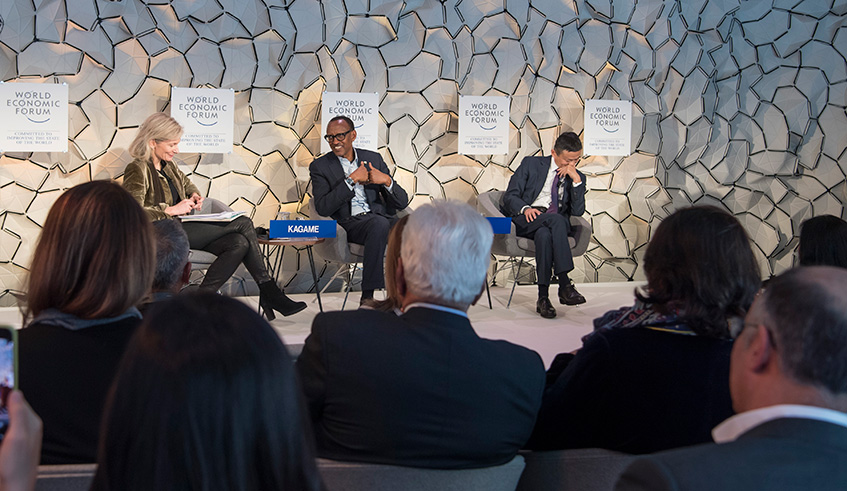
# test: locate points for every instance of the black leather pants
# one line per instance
(234, 242)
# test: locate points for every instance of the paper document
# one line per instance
(226, 216)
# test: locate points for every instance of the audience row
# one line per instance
(202, 390)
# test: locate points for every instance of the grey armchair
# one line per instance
(511, 245)
(352, 476)
(338, 250)
(583, 469)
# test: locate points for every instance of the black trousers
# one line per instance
(371, 231)
(550, 232)
(234, 242)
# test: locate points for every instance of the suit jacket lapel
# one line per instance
(335, 169)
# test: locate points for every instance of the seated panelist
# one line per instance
(353, 187)
(543, 193)
(165, 192)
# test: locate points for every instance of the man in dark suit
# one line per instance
(788, 380)
(542, 196)
(353, 187)
(422, 389)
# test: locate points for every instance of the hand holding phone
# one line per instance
(20, 450)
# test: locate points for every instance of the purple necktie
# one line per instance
(554, 195)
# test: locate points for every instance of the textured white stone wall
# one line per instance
(737, 103)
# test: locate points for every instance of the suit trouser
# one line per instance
(550, 232)
(371, 231)
(234, 242)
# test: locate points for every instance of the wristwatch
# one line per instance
(350, 181)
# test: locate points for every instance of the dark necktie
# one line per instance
(554, 195)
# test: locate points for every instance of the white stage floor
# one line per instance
(519, 324)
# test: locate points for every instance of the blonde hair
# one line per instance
(96, 254)
(157, 127)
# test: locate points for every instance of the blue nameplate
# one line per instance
(286, 229)
(501, 225)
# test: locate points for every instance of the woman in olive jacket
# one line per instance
(155, 181)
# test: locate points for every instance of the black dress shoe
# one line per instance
(569, 296)
(545, 308)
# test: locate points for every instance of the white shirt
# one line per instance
(359, 203)
(741, 423)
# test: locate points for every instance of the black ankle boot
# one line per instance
(272, 298)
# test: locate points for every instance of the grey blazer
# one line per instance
(789, 454)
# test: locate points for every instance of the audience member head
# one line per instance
(158, 127)
(793, 346)
(823, 242)
(172, 265)
(95, 258)
(699, 262)
(393, 299)
(445, 255)
(206, 397)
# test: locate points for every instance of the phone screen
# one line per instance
(7, 373)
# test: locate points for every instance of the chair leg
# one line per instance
(515, 282)
(350, 274)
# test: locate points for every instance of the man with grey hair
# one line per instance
(788, 381)
(422, 389)
(173, 269)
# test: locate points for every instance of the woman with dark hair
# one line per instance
(93, 263)
(656, 375)
(823, 242)
(206, 398)
(165, 192)
(393, 301)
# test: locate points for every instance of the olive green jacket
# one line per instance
(138, 180)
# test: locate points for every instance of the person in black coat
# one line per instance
(788, 379)
(353, 187)
(93, 263)
(422, 389)
(542, 196)
(655, 375)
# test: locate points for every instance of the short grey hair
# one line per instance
(807, 310)
(446, 251)
(171, 253)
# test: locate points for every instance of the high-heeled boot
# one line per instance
(272, 298)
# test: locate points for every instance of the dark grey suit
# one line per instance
(789, 454)
(333, 199)
(421, 390)
(549, 231)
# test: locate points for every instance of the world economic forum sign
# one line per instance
(608, 127)
(207, 118)
(33, 117)
(484, 125)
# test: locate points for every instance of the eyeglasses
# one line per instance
(337, 136)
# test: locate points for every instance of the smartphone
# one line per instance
(8, 372)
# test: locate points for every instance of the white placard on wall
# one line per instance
(362, 108)
(484, 125)
(33, 117)
(207, 117)
(608, 127)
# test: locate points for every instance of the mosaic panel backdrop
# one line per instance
(737, 103)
